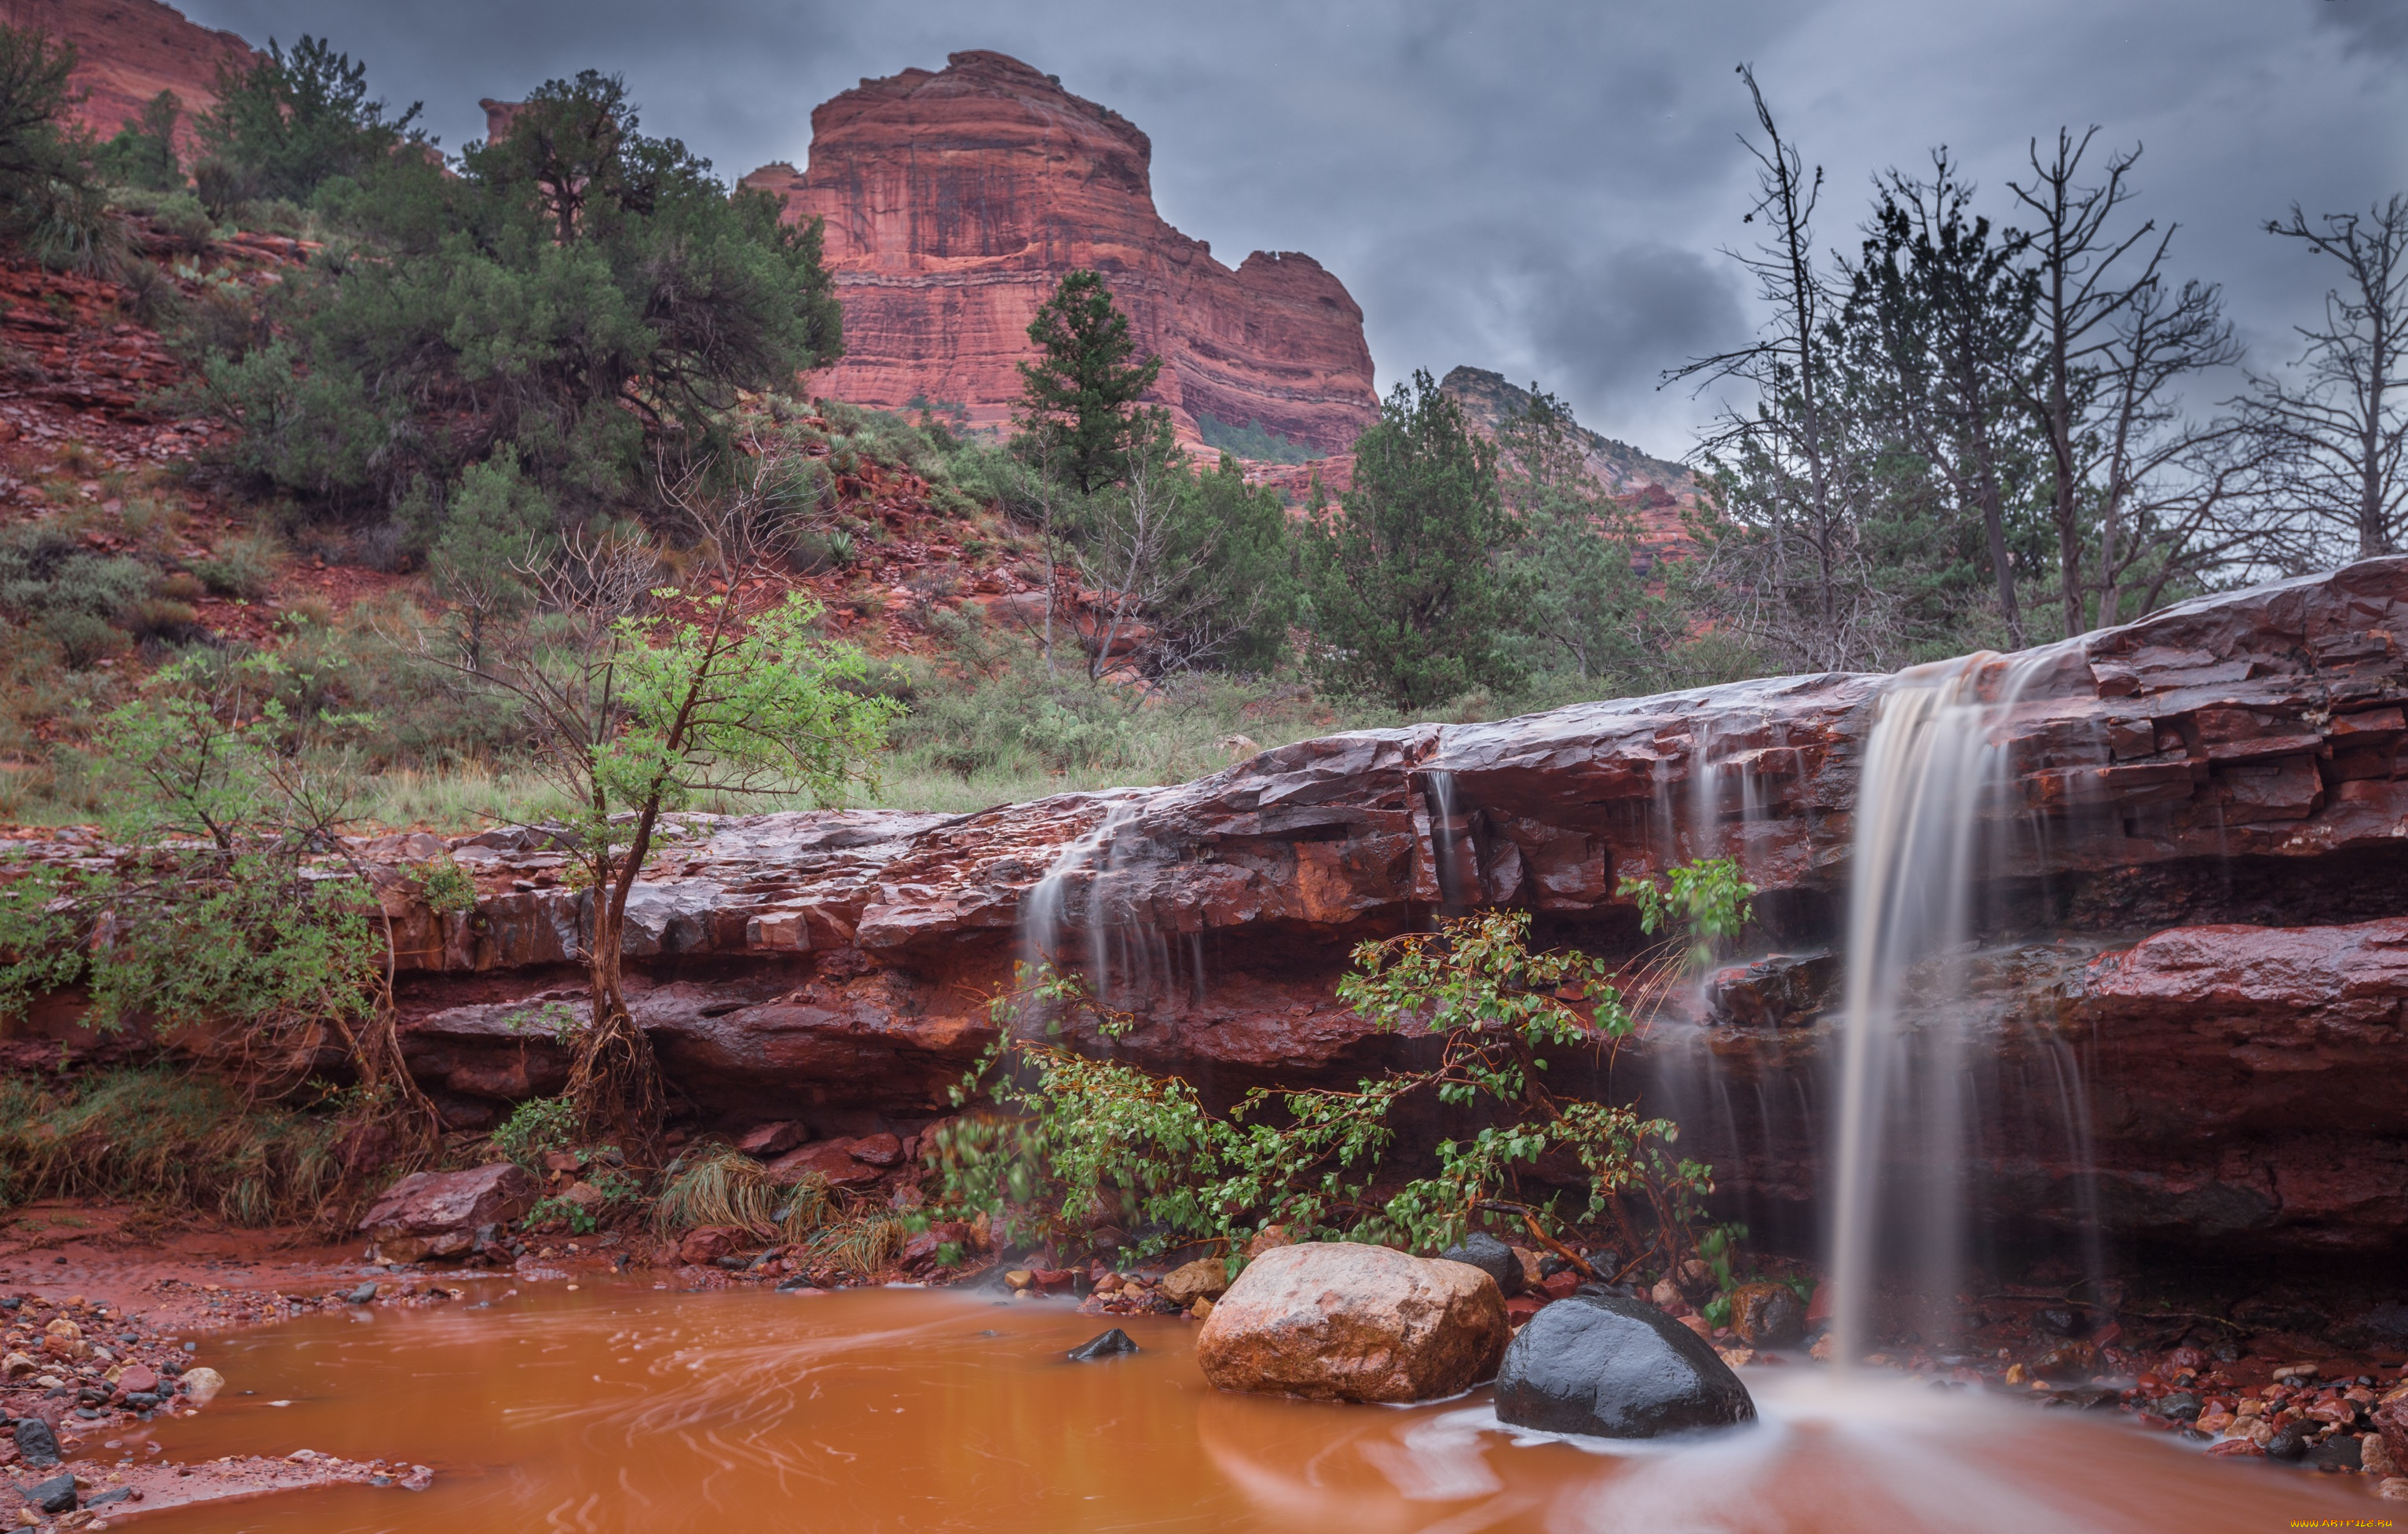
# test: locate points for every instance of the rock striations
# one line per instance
(955, 199)
(2204, 912)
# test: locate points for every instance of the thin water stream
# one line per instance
(626, 1409)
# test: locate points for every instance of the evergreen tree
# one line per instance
(45, 161)
(463, 320)
(1408, 602)
(1077, 400)
(1585, 607)
(497, 527)
(286, 122)
(143, 154)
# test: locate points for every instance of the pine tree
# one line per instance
(1078, 399)
(1408, 604)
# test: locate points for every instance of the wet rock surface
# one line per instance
(2207, 913)
(1491, 1256)
(1616, 1368)
(1339, 1320)
(437, 1214)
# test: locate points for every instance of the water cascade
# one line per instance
(1933, 822)
(1125, 959)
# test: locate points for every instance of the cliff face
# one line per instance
(129, 50)
(955, 199)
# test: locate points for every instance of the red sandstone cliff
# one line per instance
(955, 199)
(128, 51)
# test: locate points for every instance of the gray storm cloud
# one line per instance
(1539, 188)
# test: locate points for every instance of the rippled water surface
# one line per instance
(628, 1409)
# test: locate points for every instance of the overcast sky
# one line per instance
(1539, 188)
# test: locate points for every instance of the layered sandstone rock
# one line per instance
(129, 50)
(955, 199)
(2195, 945)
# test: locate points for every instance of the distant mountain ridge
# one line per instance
(1487, 400)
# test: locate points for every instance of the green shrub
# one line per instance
(244, 567)
(535, 1127)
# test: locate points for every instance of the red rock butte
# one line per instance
(129, 50)
(954, 200)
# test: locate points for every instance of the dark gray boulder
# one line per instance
(37, 1445)
(1103, 1345)
(1615, 1368)
(56, 1494)
(1491, 1256)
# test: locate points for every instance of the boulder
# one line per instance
(832, 1159)
(1206, 1278)
(1768, 1316)
(1338, 1321)
(435, 1214)
(706, 1245)
(1491, 1256)
(766, 1141)
(1614, 1367)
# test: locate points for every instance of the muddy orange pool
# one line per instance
(609, 1408)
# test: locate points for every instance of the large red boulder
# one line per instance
(437, 1214)
(1339, 1320)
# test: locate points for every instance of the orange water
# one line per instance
(615, 1408)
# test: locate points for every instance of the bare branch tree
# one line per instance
(2339, 429)
(2087, 282)
(1787, 550)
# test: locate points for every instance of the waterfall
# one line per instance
(1929, 810)
(1125, 958)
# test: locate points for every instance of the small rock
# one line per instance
(1269, 1238)
(1201, 1309)
(2375, 1456)
(706, 1245)
(365, 1295)
(56, 1494)
(2181, 1406)
(1206, 1278)
(1768, 1316)
(766, 1141)
(2062, 1320)
(1103, 1345)
(36, 1444)
(2393, 1489)
(2341, 1452)
(1616, 1368)
(880, 1149)
(2067, 1361)
(1666, 1295)
(1491, 1256)
(2286, 1442)
(202, 1384)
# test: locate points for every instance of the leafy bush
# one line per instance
(535, 1127)
(1092, 1141)
(1709, 901)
